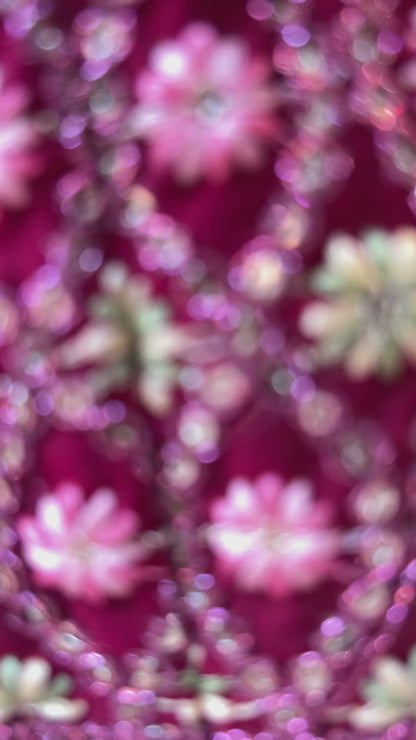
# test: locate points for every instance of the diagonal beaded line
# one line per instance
(68, 642)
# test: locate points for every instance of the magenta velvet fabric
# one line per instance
(221, 219)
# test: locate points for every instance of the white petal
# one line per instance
(51, 515)
(43, 558)
(346, 258)
(34, 678)
(9, 673)
(58, 709)
(296, 502)
(241, 495)
(374, 717)
(396, 678)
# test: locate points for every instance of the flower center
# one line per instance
(82, 549)
(277, 540)
(383, 311)
(383, 307)
(211, 107)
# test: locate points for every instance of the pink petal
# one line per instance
(120, 527)
(97, 509)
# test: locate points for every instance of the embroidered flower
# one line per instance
(132, 338)
(368, 319)
(205, 104)
(83, 548)
(26, 689)
(210, 707)
(271, 537)
(17, 137)
(391, 695)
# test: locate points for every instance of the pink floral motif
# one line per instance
(17, 137)
(83, 548)
(271, 537)
(204, 105)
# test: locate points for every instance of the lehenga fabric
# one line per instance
(208, 363)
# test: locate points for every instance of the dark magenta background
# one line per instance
(221, 219)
